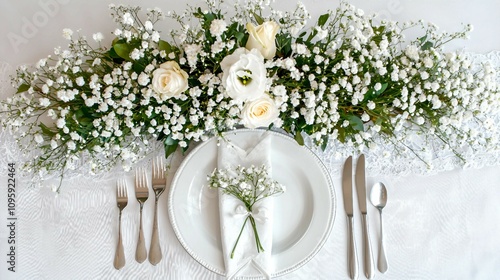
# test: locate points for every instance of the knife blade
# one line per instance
(361, 183)
(352, 261)
(361, 191)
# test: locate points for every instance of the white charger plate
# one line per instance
(303, 215)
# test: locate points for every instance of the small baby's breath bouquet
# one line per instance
(249, 185)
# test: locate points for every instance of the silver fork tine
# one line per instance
(141, 193)
(144, 184)
(159, 185)
(122, 200)
(158, 168)
(162, 168)
(154, 169)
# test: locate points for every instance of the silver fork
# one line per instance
(159, 184)
(122, 200)
(141, 193)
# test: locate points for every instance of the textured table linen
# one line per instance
(443, 225)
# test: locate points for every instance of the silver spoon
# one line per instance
(378, 197)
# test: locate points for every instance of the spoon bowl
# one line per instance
(378, 197)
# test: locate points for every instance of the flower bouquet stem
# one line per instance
(260, 248)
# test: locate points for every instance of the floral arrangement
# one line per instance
(249, 185)
(346, 77)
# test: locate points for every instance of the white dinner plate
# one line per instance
(303, 215)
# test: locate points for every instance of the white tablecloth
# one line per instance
(436, 227)
(440, 226)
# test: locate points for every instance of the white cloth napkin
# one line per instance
(255, 151)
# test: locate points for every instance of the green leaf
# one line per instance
(322, 19)
(209, 17)
(170, 141)
(422, 39)
(170, 149)
(85, 121)
(325, 143)
(116, 40)
(78, 113)
(371, 93)
(122, 50)
(356, 122)
(164, 46)
(427, 45)
(299, 138)
(23, 88)
(341, 134)
(170, 146)
(113, 54)
(258, 18)
(311, 36)
(184, 149)
(284, 45)
(139, 66)
(199, 13)
(381, 90)
(46, 130)
(239, 37)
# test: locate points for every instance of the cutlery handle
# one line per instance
(367, 251)
(382, 259)
(352, 260)
(140, 253)
(155, 250)
(119, 261)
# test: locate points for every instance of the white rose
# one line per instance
(244, 75)
(169, 80)
(263, 38)
(259, 113)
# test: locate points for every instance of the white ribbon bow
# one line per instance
(260, 214)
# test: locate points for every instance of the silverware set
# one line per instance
(158, 179)
(379, 203)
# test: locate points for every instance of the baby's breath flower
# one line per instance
(218, 27)
(248, 184)
(67, 33)
(342, 80)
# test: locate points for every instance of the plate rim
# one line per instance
(282, 272)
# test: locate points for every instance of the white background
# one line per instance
(443, 226)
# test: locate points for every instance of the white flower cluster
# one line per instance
(249, 184)
(348, 83)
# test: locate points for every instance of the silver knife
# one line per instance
(352, 260)
(361, 190)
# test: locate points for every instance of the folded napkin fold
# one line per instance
(254, 150)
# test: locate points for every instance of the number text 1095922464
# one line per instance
(11, 217)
